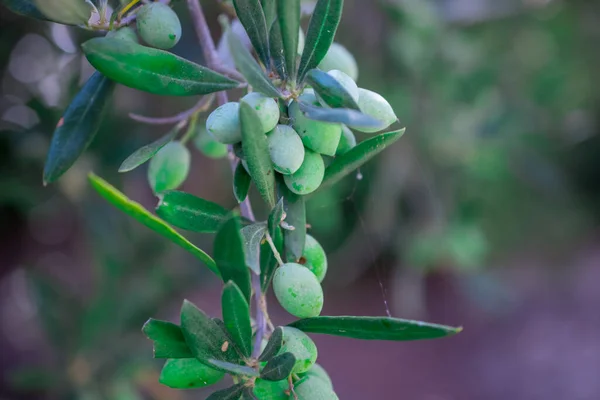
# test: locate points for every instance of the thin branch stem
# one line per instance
(274, 249)
(202, 105)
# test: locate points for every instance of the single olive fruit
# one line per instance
(286, 149)
(318, 371)
(347, 141)
(158, 25)
(309, 176)
(169, 168)
(125, 33)
(346, 82)
(224, 123)
(313, 388)
(322, 137)
(376, 106)
(266, 390)
(298, 290)
(338, 57)
(208, 146)
(301, 346)
(188, 373)
(314, 258)
(267, 107)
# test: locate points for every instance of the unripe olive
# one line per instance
(322, 137)
(346, 82)
(125, 33)
(196, 374)
(169, 168)
(301, 346)
(266, 390)
(347, 141)
(224, 123)
(268, 110)
(298, 290)
(376, 106)
(314, 389)
(338, 57)
(309, 176)
(314, 258)
(158, 25)
(319, 372)
(208, 146)
(286, 149)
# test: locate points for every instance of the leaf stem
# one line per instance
(274, 249)
(202, 105)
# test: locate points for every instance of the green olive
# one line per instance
(322, 137)
(313, 388)
(188, 373)
(267, 107)
(266, 390)
(314, 258)
(125, 33)
(346, 82)
(159, 25)
(208, 146)
(309, 176)
(338, 57)
(318, 371)
(301, 346)
(376, 106)
(286, 149)
(224, 124)
(347, 141)
(169, 168)
(298, 290)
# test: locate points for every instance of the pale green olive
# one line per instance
(314, 258)
(322, 137)
(268, 110)
(266, 390)
(286, 149)
(376, 106)
(159, 25)
(301, 346)
(298, 290)
(309, 176)
(169, 168)
(125, 33)
(188, 373)
(313, 388)
(208, 146)
(319, 372)
(347, 141)
(224, 123)
(338, 57)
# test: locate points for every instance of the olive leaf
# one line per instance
(374, 328)
(273, 345)
(241, 183)
(191, 213)
(276, 47)
(26, 8)
(269, 9)
(236, 316)
(321, 32)
(69, 12)
(330, 90)
(268, 261)
(78, 127)
(288, 18)
(139, 213)
(251, 15)
(344, 116)
(145, 153)
(253, 236)
(188, 373)
(295, 210)
(152, 70)
(354, 158)
(279, 368)
(275, 217)
(233, 369)
(168, 339)
(232, 393)
(248, 67)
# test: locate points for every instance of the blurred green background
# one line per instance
(484, 215)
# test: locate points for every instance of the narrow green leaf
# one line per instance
(268, 261)
(374, 328)
(288, 15)
(269, 9)
(256, 150)
(236, 315)
(232, 393)
(248, 67)
(241, 183)
(273, 346)
(139, 213)
(253, 236)
(321, 32)
(356, 157)
(251, 15)
(233, 369)
(275, 217)
(276, 47)
(279, 367)
(191, 213)
(248, 394)
(295, 210)
(206, 340)
(168, 339)
(78, 127)
(230, 256)
(344, 116)
(152, 70)
(188, 373)
(331, 91)
(26, 8)
(146, 152)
